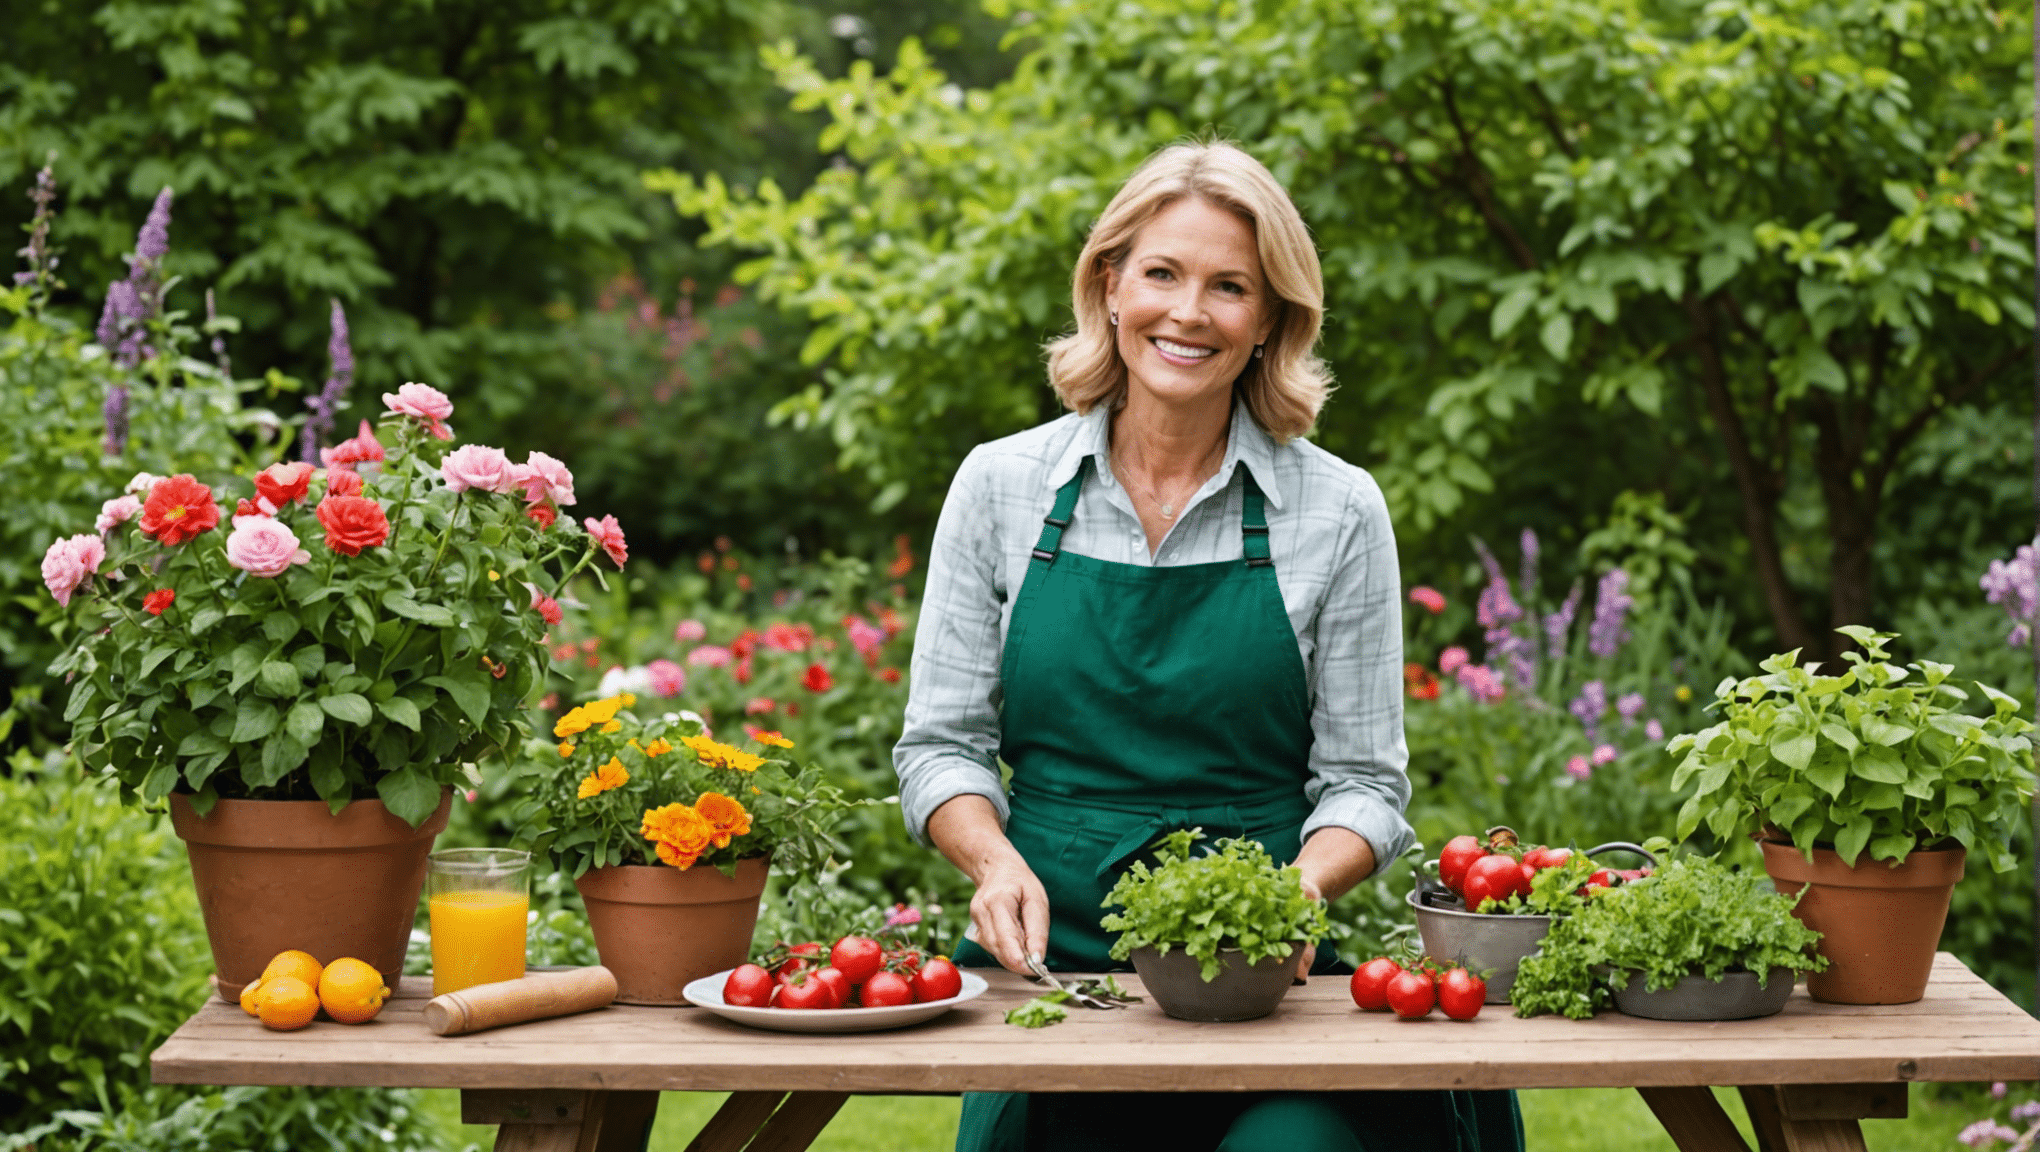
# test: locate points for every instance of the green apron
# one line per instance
(1139, 700)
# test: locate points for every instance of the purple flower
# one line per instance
(1488, 561)
(153, 242)
(322, 409)
(1630, 706)
(2016, 588)
(1558, 625)
(37, 254)
(115, 411)
(1611, 608)
(1589, 706)
(1653, 731)
(1531, 553)
(2028, 1111)
(1985, 1132)
(1998, 1089)
(1605, 754)
(1481, 683)
(133, 302)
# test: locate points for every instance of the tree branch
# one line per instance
(1474, 181)
(1549, 115)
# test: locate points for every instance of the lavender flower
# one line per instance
(1589, 706)
(152, 243)
(1611, 608)
(115, 410)
(1985, 1132)
(2030, 1110)
(321, 409)
(1630, 706)
(1532, 551)
(1488, 561)
(1558, 625)
(2016, 588)
(133, 302)
(37, 254)
(1654, 731)
(1481, 683)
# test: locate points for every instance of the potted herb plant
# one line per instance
(305, 669)
(1695, 941)
(1869, 789)
(668, 834)
(1214, 937)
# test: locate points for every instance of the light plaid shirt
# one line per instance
(1335, 561)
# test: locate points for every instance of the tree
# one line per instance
(1750, 248)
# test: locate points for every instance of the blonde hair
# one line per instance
(1286, 387)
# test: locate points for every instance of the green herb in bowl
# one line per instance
(1233, 897)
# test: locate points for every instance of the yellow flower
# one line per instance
(610, 775)
(772, 739)
(573, 723)
(566, 749)
(1682, 693)
(602, 711)
(629, 699)
(495, 575)
(721, 755)
(611, 728)
(658, 747)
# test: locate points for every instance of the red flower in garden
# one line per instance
(282, 483)
(745, 644)
(890, 621)
(247, 507)
(1419, 683)
(178, 508)
(817, 678)
(1430, 599)
(903, 561)
(341, 482)
(542, 514)
(608, 533)
(889, 675)
(705, 562)
(742, 672)
(788, 637)
(364, 448)
(156, 601)
(547, 608)
(353, 523)
(743, 581)
(759, 706)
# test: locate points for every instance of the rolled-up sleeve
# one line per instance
(1359, 761)
(950, 740)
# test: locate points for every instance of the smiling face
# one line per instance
(1192, 303)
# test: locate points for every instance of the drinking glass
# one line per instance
(479, 902)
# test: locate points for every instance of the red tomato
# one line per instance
(1603, 878)
(886, 990)
(1461, 993)
(806, 990)
(1633, 873)
(749, 986)
(1528, 873)
(799, 957)
(1411, 993)
(1459, 854)
(1493, 877)
(937, 979)
(858, 956)
(1541, 857)
(839, 984)
(1370, 983)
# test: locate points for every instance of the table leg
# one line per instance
(1819, 1117)
(1694, 1119)
(798, 1122)
(553, 1120)
(736, 1122)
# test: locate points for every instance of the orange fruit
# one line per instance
(351, 991)
(285, 1003)
(302, 965)
(248, 999)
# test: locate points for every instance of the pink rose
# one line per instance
(608, 533)
(866, 637)
(70, 562)
(363, 449)
(759, 706)
(668, 678)
(1452, 659)
(116, 512)
(689, 631)
(709, 656)
(280, 484)
(264, 547)
(423, 402)
(477, 466)
(548, 609)
(343, 482)
(545, 479)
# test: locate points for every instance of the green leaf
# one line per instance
(410, 794)
(279, 626)
(1828, 774)
(471, 695)
(1793, 747)
(279, 678)
(429, 614)
(1557, 336)
(281, 754)
(1841, 735)
(1511, 308)
(1850, 840)
(402, 711)
(1881, 770)
(253, 720)
(304, 720)
(348, 706)
(156, 656)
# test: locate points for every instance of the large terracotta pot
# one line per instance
(658, 927)
(279, 874)
(1879, 923)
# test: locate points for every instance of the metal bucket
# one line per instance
(1481, 942)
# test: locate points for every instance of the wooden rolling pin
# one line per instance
(534, 997)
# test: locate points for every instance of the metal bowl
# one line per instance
(1480, 942)
(1736, 996)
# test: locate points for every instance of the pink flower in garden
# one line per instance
(2028, 1111)
(422, 402)
(742, 672)
(788, 637)
(1985, 1132)
(759, 706)
(865, 637)
(261, 546)
(364, 448)
(689, 631)
(1428, 598)
(478, 466)
(901, 915)
(1631, 705)
(608, 533)
(1451, 660)
(544, 478)
(344, 482)
(253, 508)
(1481, 682)
(1653, 731)
(1577, 768)
(548, 609)
(178, 508)
(116, 512)
(668, 678)
(709, 656)
(280, 484)
(1998, 1089)
(70, 562)
(140, 485)
(1604, 754)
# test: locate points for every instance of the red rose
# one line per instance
(341, 482)
(817, 678)
(156, 601)
(353, 523)
(282, 483)
(178, 508)
(744, 644)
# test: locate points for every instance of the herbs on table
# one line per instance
(1041, 1011)
(1231, 897)
(1695, 915)
(1877, 757)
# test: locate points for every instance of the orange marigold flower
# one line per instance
(658, 747)
(767, 737)
(726, 818)
(680, 833)
(566, 749)
(721, 755)
(612, 728)
(610, 775)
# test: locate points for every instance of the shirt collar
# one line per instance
(1245, 443)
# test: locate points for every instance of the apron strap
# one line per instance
(1058, 518)
(1254, 522)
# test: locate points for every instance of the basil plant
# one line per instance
(1879, 758)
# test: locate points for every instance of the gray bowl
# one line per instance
(1240, 991)
(1736, 996)
(1481, 942)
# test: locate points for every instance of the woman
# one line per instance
(1162, 611)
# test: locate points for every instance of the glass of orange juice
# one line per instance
(480, 899)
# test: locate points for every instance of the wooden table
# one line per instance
(590, 1083)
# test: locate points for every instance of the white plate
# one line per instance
(707, 993)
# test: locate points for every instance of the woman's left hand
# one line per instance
(1304, 961)
(1332, 861)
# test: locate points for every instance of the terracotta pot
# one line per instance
(658, 927)
(280, 874)
(1879, 923)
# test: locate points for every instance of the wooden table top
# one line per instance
(1962, 1030)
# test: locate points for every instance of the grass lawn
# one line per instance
(1574, 1120)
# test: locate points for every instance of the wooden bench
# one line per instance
(590, 1083)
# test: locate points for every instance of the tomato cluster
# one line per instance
(1501, 867)
(855, 972)
(1382, 985)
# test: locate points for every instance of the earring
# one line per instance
(1257, 350)
(1115, 319)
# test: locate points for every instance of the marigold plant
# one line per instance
(617, 789)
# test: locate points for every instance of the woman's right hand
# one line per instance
(1010, 908)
